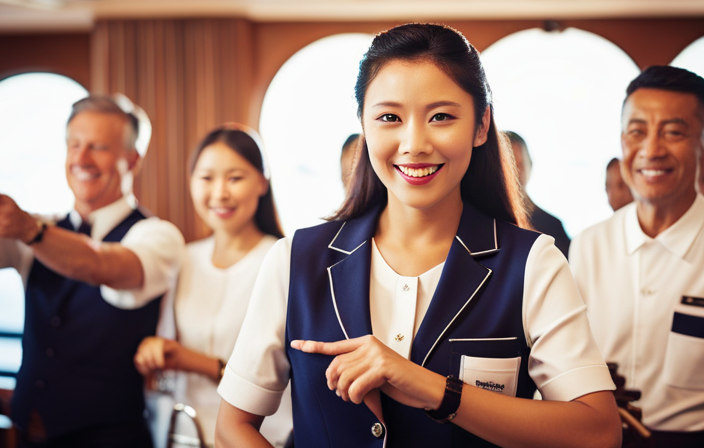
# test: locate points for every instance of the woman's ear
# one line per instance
(480, 136)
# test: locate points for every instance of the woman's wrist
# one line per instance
(438, 392)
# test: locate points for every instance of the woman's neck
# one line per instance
(413, 241)
(231, 247)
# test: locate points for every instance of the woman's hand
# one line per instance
(155, 353)
(364, 364)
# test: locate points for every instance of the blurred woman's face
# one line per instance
(226, 188)
(420, 130)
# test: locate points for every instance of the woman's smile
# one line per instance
(223, 212)
(418, 173)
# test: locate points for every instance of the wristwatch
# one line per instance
(41, 226)
(450, 401)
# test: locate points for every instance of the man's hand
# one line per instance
(15, 223)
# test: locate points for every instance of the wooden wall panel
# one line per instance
(65, 54)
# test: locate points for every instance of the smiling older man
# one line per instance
(641, 272)
(93, 282)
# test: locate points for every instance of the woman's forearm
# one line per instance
(589, 421)
(196, 362)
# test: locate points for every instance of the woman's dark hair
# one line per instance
(247, 143)
(490, 182)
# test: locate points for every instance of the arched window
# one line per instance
(692, 57)
(34, 108)
(308, 112)
(562, 92)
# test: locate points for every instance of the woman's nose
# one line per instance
(414, 139)
(221, 189)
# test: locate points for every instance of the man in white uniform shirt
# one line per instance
(641, 272)
(91, 280)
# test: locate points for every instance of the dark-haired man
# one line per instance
(617, 191)
(641, 272)
(541, 220)
(92, 282)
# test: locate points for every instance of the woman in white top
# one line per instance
(421, 302)
(231, 192)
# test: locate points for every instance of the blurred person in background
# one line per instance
(541, 220)
(349, 149)
(617, 191)
(640, 271)
(93, 285)
(231, 192)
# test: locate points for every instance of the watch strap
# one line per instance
(450, 401)
(41, 225)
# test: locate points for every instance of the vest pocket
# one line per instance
(491, 363)
(685, 349)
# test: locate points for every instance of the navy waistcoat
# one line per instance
(77, 369)
(476, 311)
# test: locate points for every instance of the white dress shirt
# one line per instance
(397, 303)
(157, 243)
(633, 285)
(564, 362)
(210, 304)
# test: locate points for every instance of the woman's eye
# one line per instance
(389, 118)
(206, 178)
(235, 179)
(441, 117)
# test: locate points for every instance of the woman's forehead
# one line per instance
(411, 82)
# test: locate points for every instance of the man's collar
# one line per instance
(677, 238)
(105, 219)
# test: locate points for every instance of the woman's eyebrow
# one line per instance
(442, 103)
(387, 104)
(429, 106)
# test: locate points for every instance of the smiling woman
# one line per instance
(231, 192)
(422, 301)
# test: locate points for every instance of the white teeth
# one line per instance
(418, 172)
(83, 175)
(221, 210)
(653, 172)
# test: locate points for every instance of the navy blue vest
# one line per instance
(77, 368)
(479, 296)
